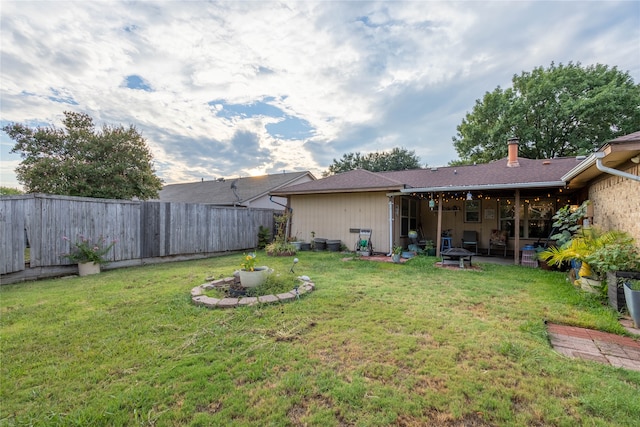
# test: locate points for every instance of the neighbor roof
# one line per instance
(220, 192)
(357, 180)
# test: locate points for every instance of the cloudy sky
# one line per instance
(228, 89)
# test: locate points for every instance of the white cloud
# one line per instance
(366, 76)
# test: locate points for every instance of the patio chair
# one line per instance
(470, 238)
(499, 239)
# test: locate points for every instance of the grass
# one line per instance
(376, 344)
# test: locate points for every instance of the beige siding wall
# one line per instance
(331, 216)
(265, 202)
(276, 203)
(616, 202)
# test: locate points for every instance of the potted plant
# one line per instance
(430, 248)
(617, 261)
(280, 245)
(251, 275)
(632, 297)
(297, 243)
(395, 254)
(580, 250)
(89, 254)
(567, 223)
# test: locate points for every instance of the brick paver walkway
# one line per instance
(611, 349)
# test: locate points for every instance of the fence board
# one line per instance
(12, 239)
(142, 229)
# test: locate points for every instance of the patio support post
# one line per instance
(516, 248)
(439, 227)
(390, 225)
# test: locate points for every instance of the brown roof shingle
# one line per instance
(221, 193)
(352, 181)
(496, 173)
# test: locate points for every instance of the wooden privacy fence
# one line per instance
(143, 230)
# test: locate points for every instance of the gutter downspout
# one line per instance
(603, 168)
(439, 227)
(516, 227)
(390, 226)
(286, 231)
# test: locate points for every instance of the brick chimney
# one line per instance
(513, 153)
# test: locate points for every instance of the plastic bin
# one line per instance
(320, 243)
(333, 245)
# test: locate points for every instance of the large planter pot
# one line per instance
(297, 245)
(395, 258)
(632, 298)
(251, 279)
(88, 268)
(615, 289)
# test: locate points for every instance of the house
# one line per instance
(611, 178)
(448, 201)
(250, 192)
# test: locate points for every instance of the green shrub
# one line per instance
(264, 236)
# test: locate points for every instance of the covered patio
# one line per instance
(494, 209)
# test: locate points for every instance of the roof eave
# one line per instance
(578, 169)
(334, 190)
(548, 184)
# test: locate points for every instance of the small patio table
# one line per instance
(457, 255)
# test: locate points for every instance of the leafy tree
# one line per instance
(8, 191)
(113, 163)
(394, 160)
(563, 110)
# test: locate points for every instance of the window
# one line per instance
(408, 216)
(535, 217)
(472, 211)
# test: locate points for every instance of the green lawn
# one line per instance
(376, 344)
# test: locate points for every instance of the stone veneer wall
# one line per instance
(616, 202)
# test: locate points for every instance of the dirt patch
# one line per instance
(457, 267)
(376, 257)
